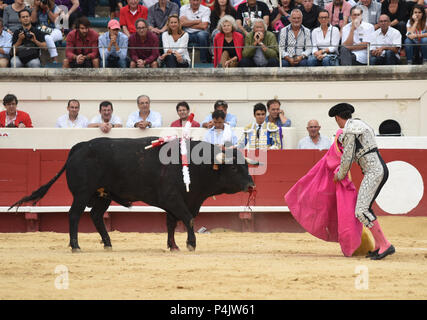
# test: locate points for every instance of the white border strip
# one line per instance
(211, 209)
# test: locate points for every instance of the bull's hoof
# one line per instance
(76, 250)
(173, 249)
(108, 248)
(190, 247)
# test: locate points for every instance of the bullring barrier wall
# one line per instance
(378, 93)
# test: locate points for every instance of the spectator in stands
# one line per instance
(44, 15)
(228, 44)
(248, 11)
(115, 7)
(195, 19)
(417, 34)
(11, 19)
(326, 39)
(175, 42)
(158, 15)
(314, 140)
(295, 41)
(5, 46)
(339, 11)
(261, 49)
(221, 8)
(74, 12)
(260, 134)
(310, 13)
(276, 114)
(129, 14)
(82, 46)
(220, 133)
(229, 118)
(355, 39)
(386, 42)
(113, 46)
(88, 7)
(144, 118)
(183, 111)
(397, 10)
(280, 17)
(105, 120)
(11, 117)
(371, 12)
(143, 46)
(27, 42)
(72, 119)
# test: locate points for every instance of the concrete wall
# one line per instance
(378, 93)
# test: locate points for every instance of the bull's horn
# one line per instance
(252, 162)
(220, 158)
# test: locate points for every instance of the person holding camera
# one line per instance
(11, 117)
(44, 15)
(261, 49)
(27, 42)
(355, 39)
(339, 11)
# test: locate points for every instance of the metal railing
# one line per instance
(211, 48)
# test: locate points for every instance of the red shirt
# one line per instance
(128, 19)
(21, 116)
(74, 40)
(138, 51)
(178, 123)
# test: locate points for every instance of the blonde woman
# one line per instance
(228, 43)
(175, 42)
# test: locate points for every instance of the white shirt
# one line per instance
(330, 41)
(378, 39)
(219, 136)
(65, 122)
(307, 143)
(203, 14)
(154, 117)
(181, 43)
(361, 34)
(114, 119)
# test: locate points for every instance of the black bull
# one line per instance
(122, 170)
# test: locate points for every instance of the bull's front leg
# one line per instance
(191, 237)
(171, 223)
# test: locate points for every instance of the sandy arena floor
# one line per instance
(225, 265)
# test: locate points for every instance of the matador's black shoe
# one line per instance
(372, 253)
(379, 256)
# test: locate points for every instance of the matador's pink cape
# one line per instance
(325, 208)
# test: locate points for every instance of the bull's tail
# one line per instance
(37, 195)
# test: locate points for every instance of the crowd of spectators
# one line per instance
(229, 33)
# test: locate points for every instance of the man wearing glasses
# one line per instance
(143, 46)
(11, 117)
(386, 42)
(314, 140)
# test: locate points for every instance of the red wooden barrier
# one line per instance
(23, 171)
